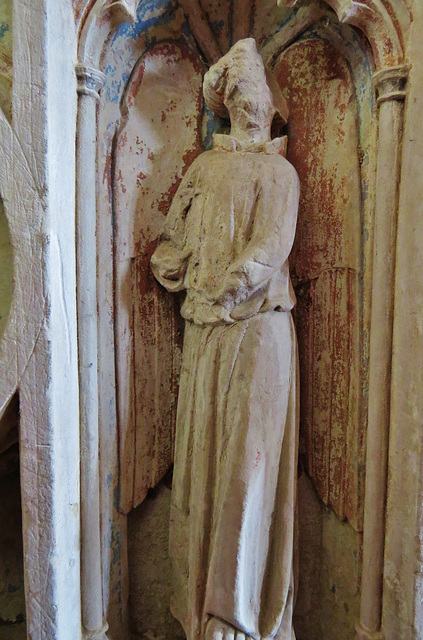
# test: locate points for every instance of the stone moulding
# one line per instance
(38, 355)
(90, 81)
(201, 30)
(203, 33)
(374, 20)
(390, 83)
(104, 16)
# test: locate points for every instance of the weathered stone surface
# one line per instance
(37, 347)
(226, 242)
(326, 263)
(403, 573)
(6, 269)
(150, 569)
(47, 333)
(127, 52)
(157, 141)
(328, 602)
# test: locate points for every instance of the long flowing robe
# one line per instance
(228, 235)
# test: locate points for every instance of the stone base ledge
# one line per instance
(365, 634)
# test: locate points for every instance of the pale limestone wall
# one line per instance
(12, 598)
(38, 349)
(6, 266)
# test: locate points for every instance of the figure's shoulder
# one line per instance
(280, 163)
(207, 156)
(193, 167)
(280, 169)
(198, 163)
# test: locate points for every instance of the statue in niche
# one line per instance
(228, 235)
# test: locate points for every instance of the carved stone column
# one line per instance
(90, 82)
(95, 28)
(390, 87)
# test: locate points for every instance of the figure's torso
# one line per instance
(222, 215)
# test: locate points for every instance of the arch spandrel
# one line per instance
(381, 21)
(96, 21)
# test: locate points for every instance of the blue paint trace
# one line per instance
(3, 28)
(214, 124)
(151, 14)
(163, 10)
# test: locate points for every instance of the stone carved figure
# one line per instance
(228, 235)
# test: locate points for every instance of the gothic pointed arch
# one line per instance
(383, 22)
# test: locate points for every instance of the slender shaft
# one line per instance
(89, 83)
(390, 84)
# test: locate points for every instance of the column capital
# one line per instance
(390, 83)
(90, 80)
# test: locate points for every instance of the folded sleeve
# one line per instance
(170, 259)
(272, 236)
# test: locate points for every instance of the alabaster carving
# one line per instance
(228, 235)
